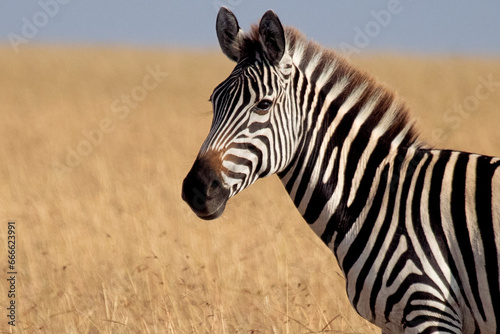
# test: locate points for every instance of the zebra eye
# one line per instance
(263, 106)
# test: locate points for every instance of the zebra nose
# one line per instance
(203, 191)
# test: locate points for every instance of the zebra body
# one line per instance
(415, 230)
(415, 272)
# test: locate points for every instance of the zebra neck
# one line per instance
(353, 129)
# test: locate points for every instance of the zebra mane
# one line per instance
(305, 52)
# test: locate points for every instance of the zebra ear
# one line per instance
(229, 34)
(272, 36)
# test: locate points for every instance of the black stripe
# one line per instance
(295, 120)
(402, 290)
(461, 229)
(434, 206)
(359, 244)
(376, 157)
(401, 232)
(381, 235)
(484, 206)
(427, 296)
(418, 229)
(338, 139)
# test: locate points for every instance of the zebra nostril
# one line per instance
(213, 186)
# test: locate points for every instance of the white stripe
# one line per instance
(476, 241)
(396, 142)
(329, 168)
(447, 222)
(424, 254)
(372, 143)
(298, 51)
(351, 100)
(334, 200)
(434, 244)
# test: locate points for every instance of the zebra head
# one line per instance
(252, 118)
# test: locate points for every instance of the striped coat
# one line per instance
(415, 230)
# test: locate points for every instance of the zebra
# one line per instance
(415, 230)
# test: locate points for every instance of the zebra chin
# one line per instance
(216, 214)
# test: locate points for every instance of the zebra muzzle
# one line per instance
(204, 192)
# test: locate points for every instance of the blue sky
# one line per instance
(450, 27)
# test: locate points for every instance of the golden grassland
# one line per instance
(104, 243)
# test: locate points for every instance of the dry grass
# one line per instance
(109, 247)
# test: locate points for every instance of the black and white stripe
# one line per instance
(415, 230)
